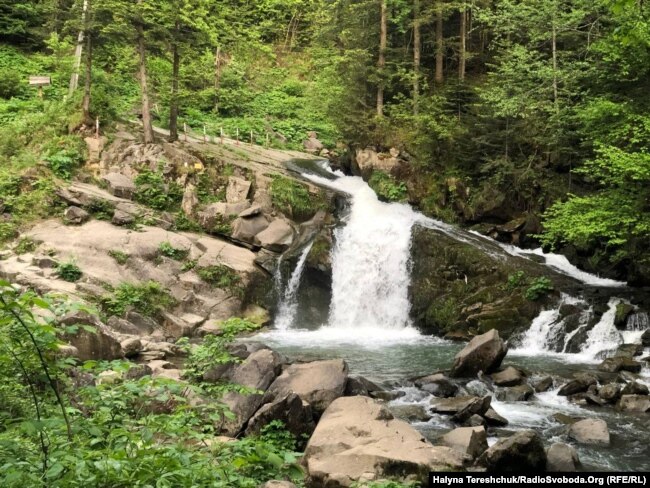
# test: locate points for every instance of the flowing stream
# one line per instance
(368, 325)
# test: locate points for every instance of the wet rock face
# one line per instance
(522, 452)
(590, 431)
(483, 353)
(456, 286)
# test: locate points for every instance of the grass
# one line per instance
(25, 245)
(221, 276)
(149, 298)
(293, 198)
(69, 271)
(387, 188)
(120, 256)
(166, 249)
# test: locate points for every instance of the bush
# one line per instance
(166, 249)
(183, 223)
(25, 245)
(152, 190)
(293, 198)
(516, 280)
(69, 271)
(65, 156)
(148, 298)
(387, 188)
(539, 287)
(101, 209)
(120, 256)
(221, 276)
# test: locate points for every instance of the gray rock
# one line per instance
(358, 385)
(319, 383)
(245, 229)
(610, 392)
(190, 200)
(410, 413)
(278, 484)
(121, 218)
(387, 396)
(645, 338)
(509, 376)
(494, 419)
(629, 350)
(120, 185)
(578, 385)
(561, 458)
(357, 439)
(291, 410)
(634, 403)
(252, 211)
(75, 215)
(634, 388)
(452, 406)
(131, 347)
(543, 384)
(590, 431)
(237, 189)
(277, 237)
(438, 385)
(619, 363)
(483, 353)
(138, 371)
(521, 452)
(519, 393)
(99, 344)
(468, 440)
(217, 213)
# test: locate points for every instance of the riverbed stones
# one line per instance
(410, 413)
(634, 403)
(456, 405)
(543, 384)
(610, 392)
(580, 384)
(438, 385)
(318, 382)
(619, 363)
(494, 419)
(521, 452)
(358, 439)
(561, 458)
(590, 431)
(509, 376)
(358, 385)
(483, 353)
(645, 338)
(629, 350)
(634, 388)
(519, 393)
(468, 440)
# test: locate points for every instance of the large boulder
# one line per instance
(519, 393)
(319, 383)
(634, 403)
(277, 237)
(120, 185)
(620, 363)
(590, 431)
(461, 408)
(237, 189)
(437, 384)
(245, 229)
(468, 440)
(358, 385)
(293, 411)
(217, 213)
(509, 376)
(521, 452)
(580, 384)
(561, 458)
(483, 353)
(256, 372)
(634, 388)
(92, 339)
(358, 439)
(74, 215)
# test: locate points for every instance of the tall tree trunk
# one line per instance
(381, 63)
(74, 78)
(85, 104)
(173, 109)
(554, 48)
(439, 77)
(417, 45)
(463, 40)
(217, 78)
(146, 108)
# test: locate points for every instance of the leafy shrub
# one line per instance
(148, 298)
(221, 276)
(11, 84)
(120, 256)
(515, 280)
(189, 265)
(8, 231)
(223, 224)
(65, 155)
(387, 188)
(25, 245)
(69, 271)
(293, 198)
(101, 209)
(183, 223)
(152, 190)
(166, 249)
(538, 288)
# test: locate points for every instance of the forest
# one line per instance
(529, 114)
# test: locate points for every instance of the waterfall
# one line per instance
(604, 336)
(370, 260)
(635, 326)
(288, 305)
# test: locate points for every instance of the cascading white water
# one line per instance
(288, 305)
(604, 336)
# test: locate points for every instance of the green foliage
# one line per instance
(120, 256)
(444, 315)
(538, 288)
(101, 209)
(166, 249)
(212, 352)
(65, 156)
(190, 264)
(221, 276)
(148, 298)
(8, 231)
(387, 188)
(69, 271)
(154, 191)
(293, 198)
(184, 223)
(516, 280)
(25, 245)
